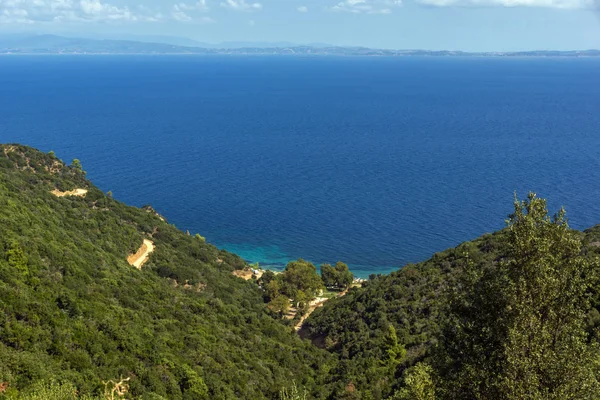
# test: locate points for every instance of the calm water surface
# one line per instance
(373, 161)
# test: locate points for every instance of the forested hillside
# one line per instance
(511, 315)
(389, 333)
(75, 312)
(357, 326)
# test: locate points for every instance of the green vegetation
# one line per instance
(338, 277)
(518, 331)
(77, 164)
(76, 314)
(418, 384)
(293, 393)
(280, 304)
(511, 315)
(355, 326)
(298, 282)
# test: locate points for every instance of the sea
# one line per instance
(376, 162)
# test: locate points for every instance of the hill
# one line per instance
(416, 302)
(411, 299)
(74, 310)
(95, 294)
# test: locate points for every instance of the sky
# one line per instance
(468, 25)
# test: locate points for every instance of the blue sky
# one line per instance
(471, 25)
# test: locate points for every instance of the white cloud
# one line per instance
(15, 15)
(368, 6)
(184, 12)
(302, 9)
(563, 4)
(47, 11)
(179, 15)
(387, 6)
(198, 6)
(241, 5)
(32, 11)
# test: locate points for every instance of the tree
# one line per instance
(301, 275)
(344, 276)
(266, 277)
(280, 304)
(192, 384)
(293, 393)
(77, 164)
(517, 330)
(338, 277)
(418, 384)
(17, 259)
(328, 275)
(52, 390)
(547, 355)
(395, 352)
(272, 289)
(301, 300)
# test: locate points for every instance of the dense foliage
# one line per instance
(355, 326)
(336, 277)
(517, 331)
(422, 301)
(76, 313)
(510, 315)
(299, 282)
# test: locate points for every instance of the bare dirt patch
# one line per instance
(245, 274)
(55, 168)
(74, 192)
(9, 149)
(142, 255)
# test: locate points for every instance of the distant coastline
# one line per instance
(59, 45)
(473, 55)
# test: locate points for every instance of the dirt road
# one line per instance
(141, 256)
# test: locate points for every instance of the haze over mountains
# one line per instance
(54, 44)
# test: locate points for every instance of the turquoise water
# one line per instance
(269, 257)
(376, 162)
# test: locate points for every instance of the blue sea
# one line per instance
(376, 162)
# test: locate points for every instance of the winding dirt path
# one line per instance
(141, 256)
(313, 305)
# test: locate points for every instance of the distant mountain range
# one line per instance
(53, 44)
(187, 42)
